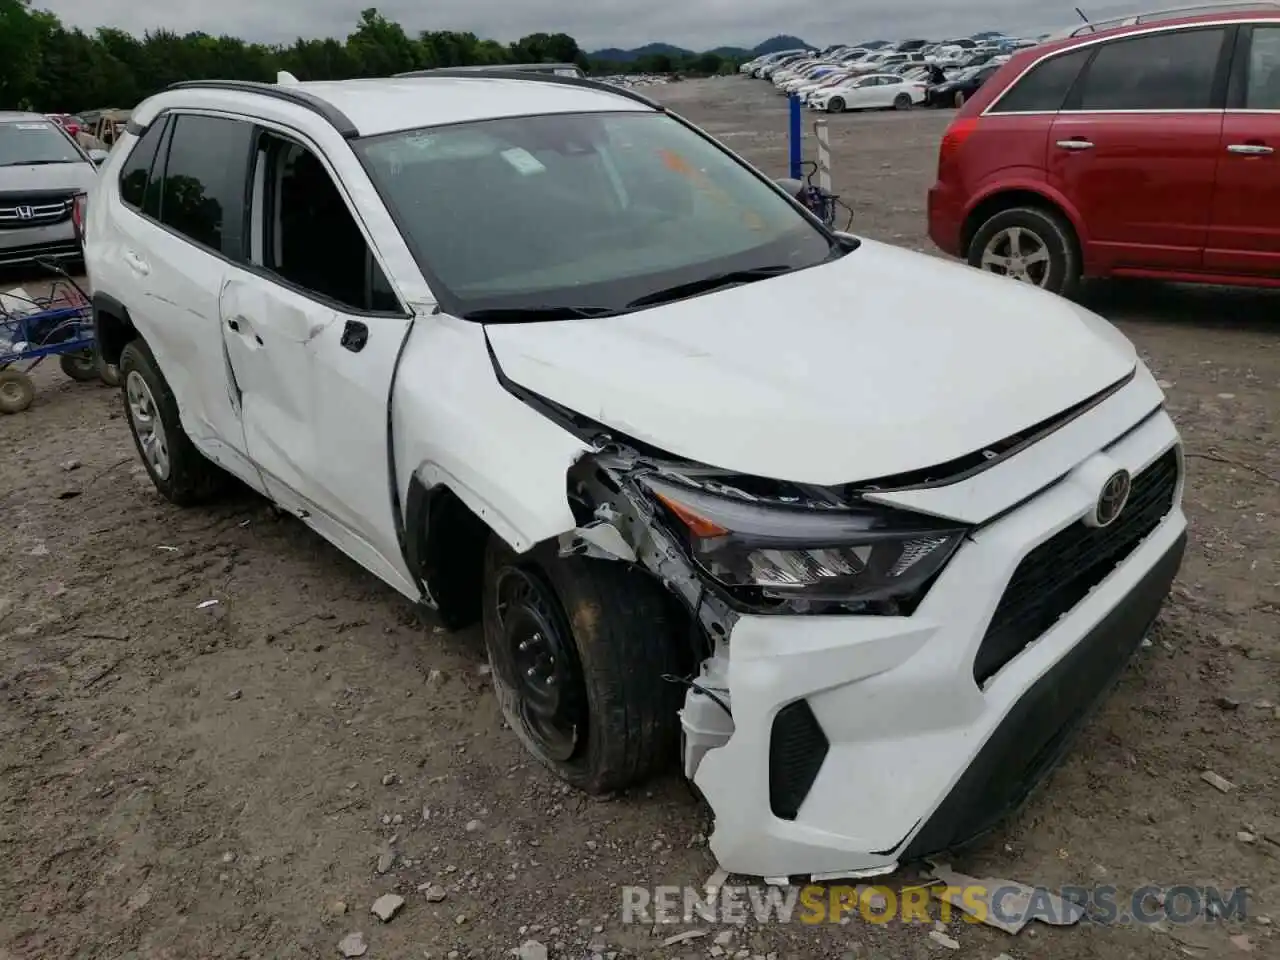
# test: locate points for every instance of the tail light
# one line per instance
(79, 207)
(957, 134)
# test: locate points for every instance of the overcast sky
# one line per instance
(697, 24)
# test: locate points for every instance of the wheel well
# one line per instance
(113, 329)
(1008, 200)
(446, 551)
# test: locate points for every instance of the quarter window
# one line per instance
(1163, 71)
(205, 182)
(1263, 88)
(137, 169)
(1044, 88)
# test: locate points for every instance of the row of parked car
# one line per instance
(879, 75)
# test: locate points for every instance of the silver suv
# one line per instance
(42, 170)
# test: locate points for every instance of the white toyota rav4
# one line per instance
(858, 534)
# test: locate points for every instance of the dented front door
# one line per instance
(313, 383)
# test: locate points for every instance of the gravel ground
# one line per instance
(245, 778)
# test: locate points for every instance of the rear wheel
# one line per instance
(902, 101)
(179, 471)
(579, 648)
(16, 391)
(1030, 245)
(836, 105)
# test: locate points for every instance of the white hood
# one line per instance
(882, 362)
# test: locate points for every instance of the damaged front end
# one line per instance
(729, 547)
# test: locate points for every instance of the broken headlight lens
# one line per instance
(846, 555)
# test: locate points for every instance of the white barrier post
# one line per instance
(824, 155)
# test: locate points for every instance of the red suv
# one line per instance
(1147, 149)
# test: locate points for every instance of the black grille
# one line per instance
(1059, 573)
(59, 249)
(797, 750)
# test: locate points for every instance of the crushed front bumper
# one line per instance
(860, 743)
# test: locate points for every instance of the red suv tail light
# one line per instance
(960, 130)
(79, 207)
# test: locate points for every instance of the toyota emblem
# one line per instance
(1114, 495)
(25, 213)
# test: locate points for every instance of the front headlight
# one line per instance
(867, 557)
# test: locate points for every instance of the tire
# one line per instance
(81, 366)
(1049, 229)
(187, 478)
(835, 105)
(958, 99)
(16, 391)
(614, 633)
(902, 101)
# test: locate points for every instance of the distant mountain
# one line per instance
(783, 42)
(619, 55)
(616, 55)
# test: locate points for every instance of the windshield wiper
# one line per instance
(34, 163)
(716, 281)
(535, 314)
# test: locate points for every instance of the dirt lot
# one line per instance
(182, 780)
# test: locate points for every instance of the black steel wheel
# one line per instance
(535, 657)
(579, 648)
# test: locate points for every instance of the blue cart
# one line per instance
(59, 324)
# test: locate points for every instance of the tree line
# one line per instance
(49, 67)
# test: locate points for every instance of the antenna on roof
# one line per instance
(285, 77)
(1082, 16)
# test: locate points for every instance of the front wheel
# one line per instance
(1030, 245)
(179, 471)
(902, 101)
(835, 105)
(579, 648)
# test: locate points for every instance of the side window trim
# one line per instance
(260, 269)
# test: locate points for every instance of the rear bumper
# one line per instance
(859, 743)
(946, 219)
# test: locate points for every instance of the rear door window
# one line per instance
(1043, 88)
(205, 196)
(1174, 70)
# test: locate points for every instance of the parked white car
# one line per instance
(857, 533)
(876, 91)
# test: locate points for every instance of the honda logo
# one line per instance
(25, 213)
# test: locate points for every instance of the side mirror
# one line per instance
(98, 157)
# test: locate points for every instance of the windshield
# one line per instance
(35, 141)
(589, 212)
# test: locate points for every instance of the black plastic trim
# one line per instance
(1039, 729)
(1238, 79)
(798, 747)
(509, 73)
(335, 117)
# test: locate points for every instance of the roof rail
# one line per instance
(287, 92)
(573, 68)
(1172, 13)
(498, 73)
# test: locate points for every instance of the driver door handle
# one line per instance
(1250, 149)
(1076, 143)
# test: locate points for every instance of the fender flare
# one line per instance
(1036, 186)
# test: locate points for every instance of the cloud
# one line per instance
(697, 24)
